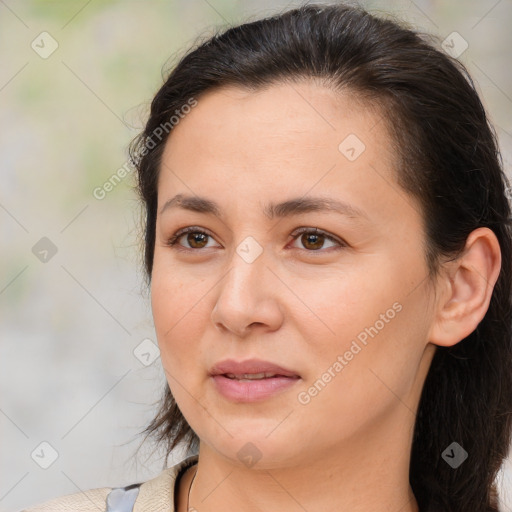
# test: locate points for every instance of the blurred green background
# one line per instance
(73, 307)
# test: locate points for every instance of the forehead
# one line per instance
(281, 122)
(306, 107)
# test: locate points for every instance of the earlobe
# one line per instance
(467, 285)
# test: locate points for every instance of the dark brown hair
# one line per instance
(447, 159)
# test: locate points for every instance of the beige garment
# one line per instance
(155, 495)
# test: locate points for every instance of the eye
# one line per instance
(315, 238)
(311, 238)
(196, 237)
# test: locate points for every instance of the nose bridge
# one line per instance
(247, 267)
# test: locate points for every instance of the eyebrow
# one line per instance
(294, 206)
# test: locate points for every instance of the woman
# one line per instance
(328, 246)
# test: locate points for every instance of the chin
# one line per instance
(257, 451)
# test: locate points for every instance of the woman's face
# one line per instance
(346, 310)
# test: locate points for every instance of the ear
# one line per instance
(466, 286)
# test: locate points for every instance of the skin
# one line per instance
(301, 307)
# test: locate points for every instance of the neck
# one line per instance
(368, 472)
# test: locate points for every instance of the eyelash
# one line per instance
(173, 240)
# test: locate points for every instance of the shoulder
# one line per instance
(85, 501)
(154, 494)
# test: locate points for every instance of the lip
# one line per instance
(250, 366)
(255, 390)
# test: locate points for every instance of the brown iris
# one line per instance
(193, 238)
(316, 240)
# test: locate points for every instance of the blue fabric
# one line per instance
(122, 499)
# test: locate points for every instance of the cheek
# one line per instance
(375, 329)
(176, 314)
(343, 308)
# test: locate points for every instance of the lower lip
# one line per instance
(251, 391)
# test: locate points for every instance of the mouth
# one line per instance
(252, 380)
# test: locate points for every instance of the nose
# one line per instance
(248, 297)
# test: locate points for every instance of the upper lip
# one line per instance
(250, 366)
